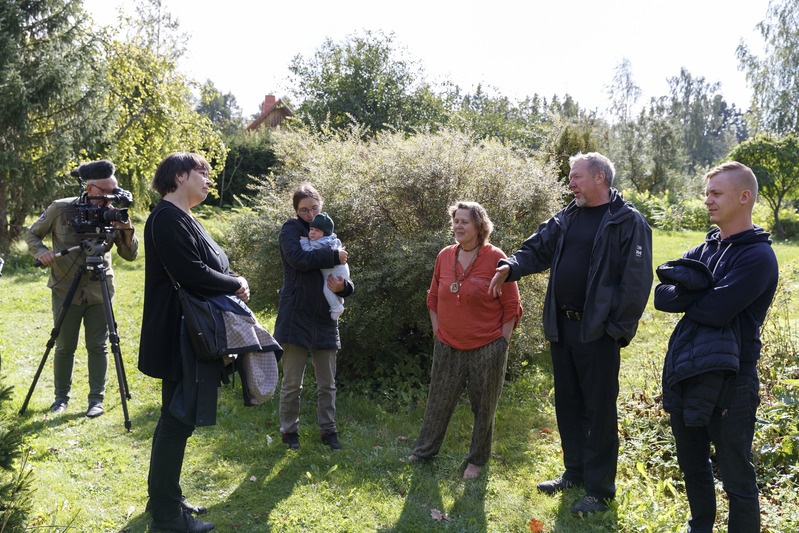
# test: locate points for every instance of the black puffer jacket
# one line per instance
(702, 360)
(303, 315)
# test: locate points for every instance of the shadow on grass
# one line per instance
(565, 521)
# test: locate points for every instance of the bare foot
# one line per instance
(472, 471)
(413, 458)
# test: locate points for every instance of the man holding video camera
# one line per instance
(73, 222)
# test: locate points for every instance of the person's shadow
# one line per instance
(565, 521)
(423, 499)
(423, 495)
(472, 501)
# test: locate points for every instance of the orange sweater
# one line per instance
(471, 318)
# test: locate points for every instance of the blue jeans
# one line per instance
(731, 435)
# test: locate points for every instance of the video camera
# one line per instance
(87, 217)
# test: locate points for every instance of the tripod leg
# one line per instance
(114, 338)
(73, 287)
(121, 362)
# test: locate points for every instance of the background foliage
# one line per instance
(389, 197)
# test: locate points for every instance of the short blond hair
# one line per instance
(742, 174)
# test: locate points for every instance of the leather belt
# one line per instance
(571, 314)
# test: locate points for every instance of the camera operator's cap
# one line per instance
(323, 222)
(96, 170)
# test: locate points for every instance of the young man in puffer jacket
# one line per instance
(745, 276)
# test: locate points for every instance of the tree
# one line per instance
(250, 156)
(572, 139)
(16, 491)
(49, 98)
(709, 126)
(775, 85)
(626, 144)
(364, 80)
(221, 109)
(150, 109)
(775, 162)
(526, 124)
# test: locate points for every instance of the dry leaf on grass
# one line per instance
(536, 526)
(438, 516)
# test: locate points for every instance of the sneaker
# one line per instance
(292, 440)
(589, 505)
(331, 439)
(59, 406)
(95, 409)
(556, 485)
(182, 522)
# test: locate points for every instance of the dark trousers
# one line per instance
(166, 459)
(586, 379)
(732, 437)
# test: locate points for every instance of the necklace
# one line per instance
(456, 284)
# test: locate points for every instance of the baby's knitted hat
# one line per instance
(323, 222)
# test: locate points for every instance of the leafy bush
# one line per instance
(389, 197)
(789, 220)
(671, 212)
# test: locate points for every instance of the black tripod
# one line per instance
(94, 263)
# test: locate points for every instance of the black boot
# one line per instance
(183, 522)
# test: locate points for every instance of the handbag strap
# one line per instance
(152, 234)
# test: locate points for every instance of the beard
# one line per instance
(580, 201)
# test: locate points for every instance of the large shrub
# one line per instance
(388, 197)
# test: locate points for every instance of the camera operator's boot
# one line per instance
(95, 409)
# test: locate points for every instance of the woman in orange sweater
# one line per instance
(472, 331)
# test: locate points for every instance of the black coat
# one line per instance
(303, 316)
(196, 262)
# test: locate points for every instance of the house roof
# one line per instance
(273, 112)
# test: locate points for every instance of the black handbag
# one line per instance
(204, 323)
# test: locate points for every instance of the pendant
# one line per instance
(454, 287)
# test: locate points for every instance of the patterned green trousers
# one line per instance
(481, 372)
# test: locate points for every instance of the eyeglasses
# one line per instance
(105, 191)
(305, 210)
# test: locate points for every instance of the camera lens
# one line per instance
(115, 215)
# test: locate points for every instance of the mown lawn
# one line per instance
(90, 475)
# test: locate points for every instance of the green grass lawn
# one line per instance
(91, 474)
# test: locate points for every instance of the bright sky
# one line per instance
(520, 47)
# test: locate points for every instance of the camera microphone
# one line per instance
(94, 170)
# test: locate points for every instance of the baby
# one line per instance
(321, 236)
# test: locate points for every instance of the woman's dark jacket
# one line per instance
(701, 361)
(619, 276)
(303, 315)
(196, 262)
